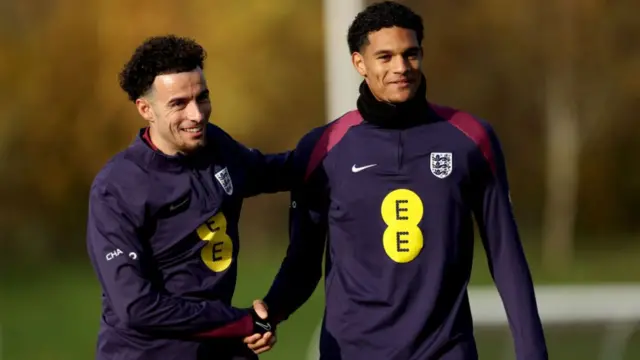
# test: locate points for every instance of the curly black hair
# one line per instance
(156, 56)
(382, 15)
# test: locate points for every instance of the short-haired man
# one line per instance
(395, 184)
(163, 219)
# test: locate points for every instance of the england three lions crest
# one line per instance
(225, 180)
(441, 164)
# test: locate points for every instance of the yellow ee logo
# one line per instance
(218, 252)
(402, 211)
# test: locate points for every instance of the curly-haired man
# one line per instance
(395, 185)
(162, 231)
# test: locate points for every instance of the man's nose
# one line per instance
(400, 64)
(193, 112)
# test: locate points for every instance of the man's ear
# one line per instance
(358, 62)
(144, 108)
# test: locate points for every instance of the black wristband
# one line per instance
(260, 326)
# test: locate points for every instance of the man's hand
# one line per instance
(261, 309)
(261, 342)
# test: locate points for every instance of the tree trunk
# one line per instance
(562, 173)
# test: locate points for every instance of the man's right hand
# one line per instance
(264, 338)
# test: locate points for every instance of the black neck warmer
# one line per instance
(414, 112)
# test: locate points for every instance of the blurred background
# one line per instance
(558, 79)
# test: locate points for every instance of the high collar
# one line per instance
(141, 151)
(414, 112)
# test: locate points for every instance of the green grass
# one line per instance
(564, 342)
(53, 313)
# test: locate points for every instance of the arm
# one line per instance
(123, 268)
(301, 268)
(506, 257)
(268, 173)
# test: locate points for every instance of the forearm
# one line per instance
(301, 268)
(513, 280)
(172, 316)
(293, 286)
(139, 305)
(516, 288)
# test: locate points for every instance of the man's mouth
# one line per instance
(402, 82)
(193, 129)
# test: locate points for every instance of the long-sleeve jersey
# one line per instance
(398, 208)
(162, 237)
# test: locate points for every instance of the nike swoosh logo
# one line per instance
(264, 326)
(356, 169)
(176, 206)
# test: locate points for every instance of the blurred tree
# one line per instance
(49, 93)
(586, 74)
(265, 68)
(562, 130)
(63, 114)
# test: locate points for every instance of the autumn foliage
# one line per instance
(63, 114)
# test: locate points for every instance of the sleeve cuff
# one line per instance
(239, 328)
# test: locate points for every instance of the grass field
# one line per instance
(52, 313)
